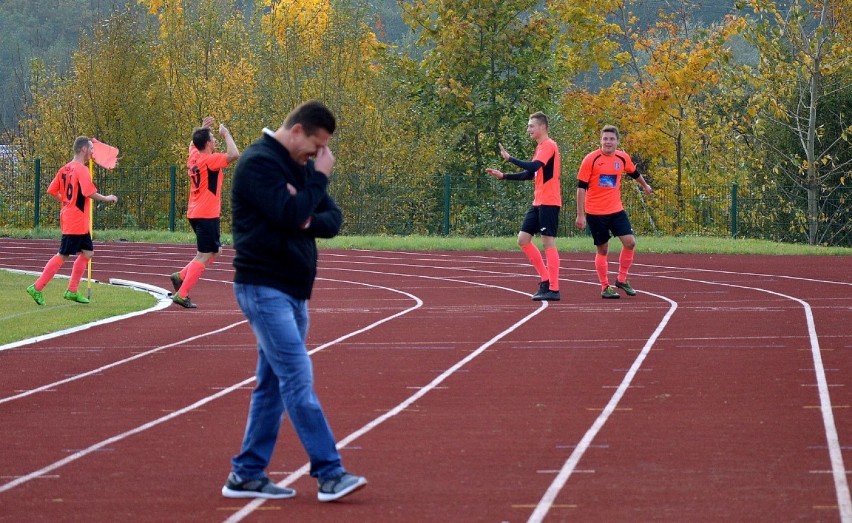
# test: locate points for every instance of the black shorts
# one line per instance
(541, 219)
(600, 226)
(72, 244)
(206, 234)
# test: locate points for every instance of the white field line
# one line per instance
(569, 467)
(203, 401)
(834, 447)
(841, 484)
(117, 363)
(480, 259)
(739, 273)
(304, 469)
(162, 303)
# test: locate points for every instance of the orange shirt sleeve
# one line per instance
(545, 152)
(585, 172)
(629, 167)
(217, 161)
(55, 187)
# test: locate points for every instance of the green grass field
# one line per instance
(657, 244)
(21, 318)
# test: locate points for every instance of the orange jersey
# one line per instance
(205, 183)
(73, 185)
(547, 191)
(603, 173)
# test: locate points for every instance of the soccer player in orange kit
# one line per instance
(599, 205)
(543, 215)
(73, 187)
(206, 173)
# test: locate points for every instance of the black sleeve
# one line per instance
(527, 166)
(635, 175)
(523, 175)
(326, 220)
(582, 185)
(267, 189)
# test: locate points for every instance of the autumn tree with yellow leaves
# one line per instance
(796, 103)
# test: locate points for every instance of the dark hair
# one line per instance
(200, 137)
(610, 129)
(80, 142)
(541, 117)
(312, 115)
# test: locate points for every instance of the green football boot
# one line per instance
(75, 296)
(610, 293)
(625, 286)
(37, 295)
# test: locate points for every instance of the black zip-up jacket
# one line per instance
(272, 247)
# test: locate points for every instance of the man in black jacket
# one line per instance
(280, 205)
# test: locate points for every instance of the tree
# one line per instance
(487, 66)
(800, 88)
(205, 67)
(656, 85)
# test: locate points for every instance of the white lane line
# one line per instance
(841, 484)
(105, 443)
(738, 273)
(162, 303)
(434, 384)
(203, 401)
(479, 259)
(549, 497)
(835, 455)
(80, 376)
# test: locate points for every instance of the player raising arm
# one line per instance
(206, 169)
(542, 217)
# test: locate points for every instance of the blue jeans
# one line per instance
(285, 381)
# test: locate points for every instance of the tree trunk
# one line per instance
(813, 213)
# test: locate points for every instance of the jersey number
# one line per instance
(69, 187)
(195, 176)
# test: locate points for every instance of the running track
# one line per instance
(720, 393)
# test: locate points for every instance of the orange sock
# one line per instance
(80, 265)
(552, 256)
(534, 255)
(600, 267)
(50, 270)
(625, 260)
(185, 270)
(193, 273)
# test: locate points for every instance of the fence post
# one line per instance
(37, 194)
(172, 196)
(734, 210)
(446, 204)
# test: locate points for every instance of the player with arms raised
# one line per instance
(206, 173)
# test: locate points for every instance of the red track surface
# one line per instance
(458, 397)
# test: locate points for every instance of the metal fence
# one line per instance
(155, 198)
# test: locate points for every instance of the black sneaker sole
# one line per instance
(549, 296)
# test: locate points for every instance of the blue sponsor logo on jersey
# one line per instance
(608, 180)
